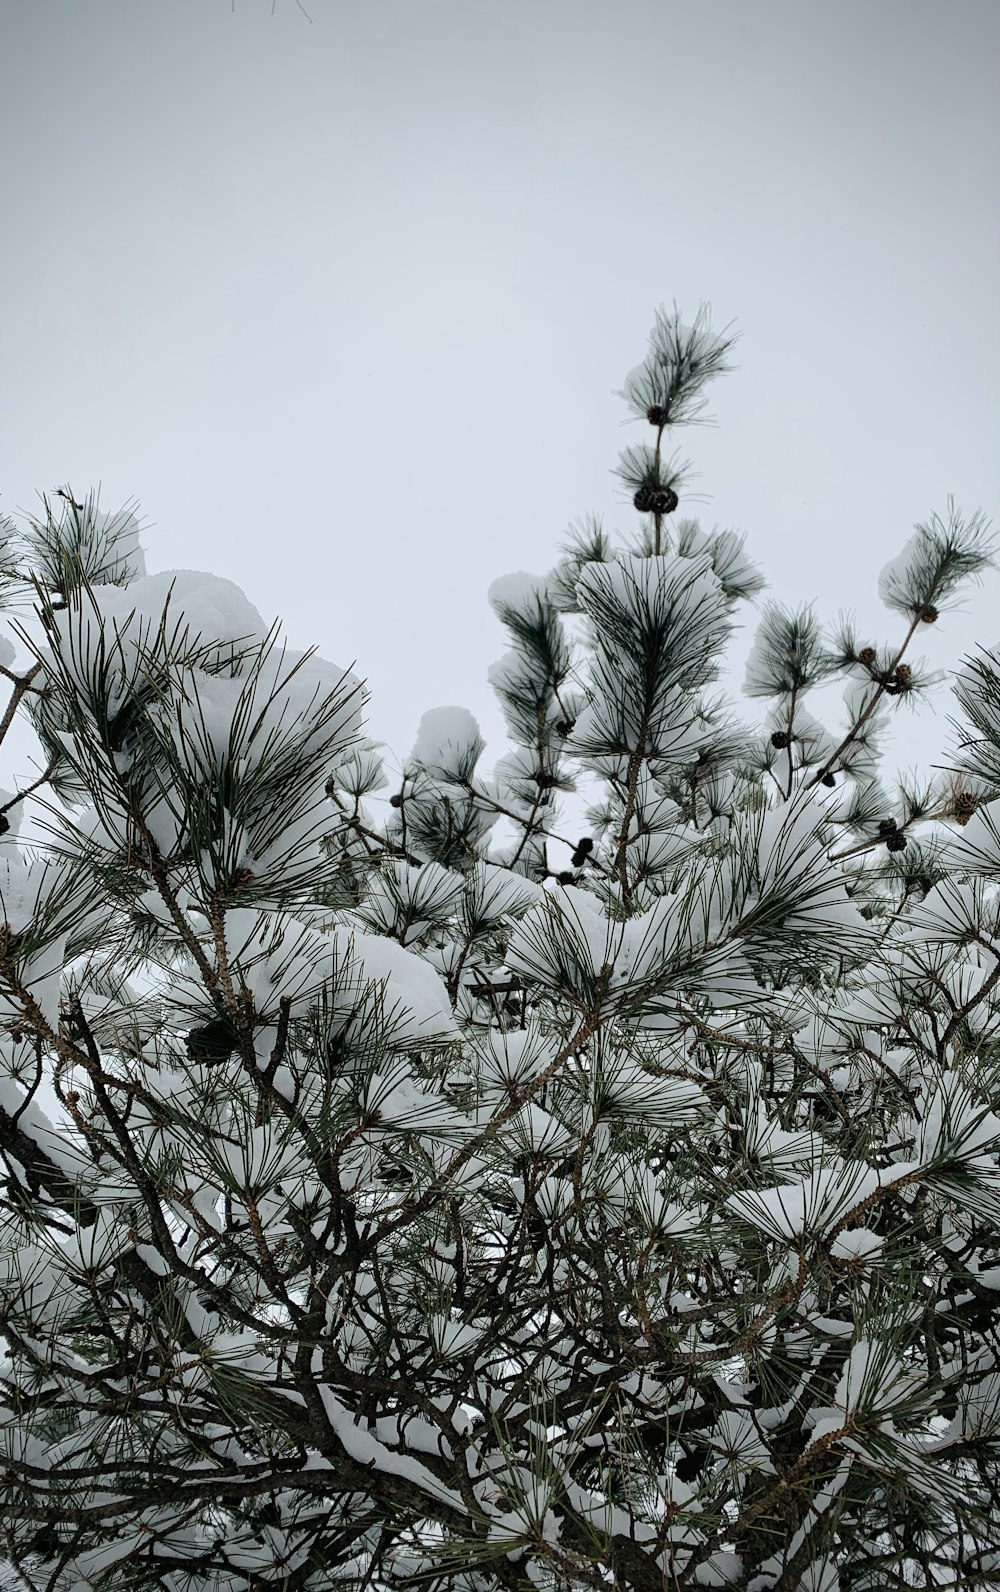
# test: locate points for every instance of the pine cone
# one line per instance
(396, 800)
(964, 806)
(656, 500)
(896, 842)
(656, 414)
(867, 656)
(901, 677)
(887, 826)
(213, 1041)
(928, 614)
(828, 780)
(689, 1466)
(780, 739)
(564, 726)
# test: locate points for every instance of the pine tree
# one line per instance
(454, 1191)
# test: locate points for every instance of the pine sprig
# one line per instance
(940, 557)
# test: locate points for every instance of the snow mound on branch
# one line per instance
(213, 607)
(102, 635)
(274, 957)
(491, 893)
(856, 1244)
(448, 742)
(519, 591)
(119, 532)
(409, 900)
(818, 1201)
(204, 723)
(414, 993)
(896, 575)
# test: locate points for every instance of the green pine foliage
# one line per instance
(425, 1187)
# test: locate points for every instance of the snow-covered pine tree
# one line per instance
(450, 1192)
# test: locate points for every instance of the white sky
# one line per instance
(343, 302)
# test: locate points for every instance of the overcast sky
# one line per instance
(343, 302)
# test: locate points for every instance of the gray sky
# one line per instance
(343, 302)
